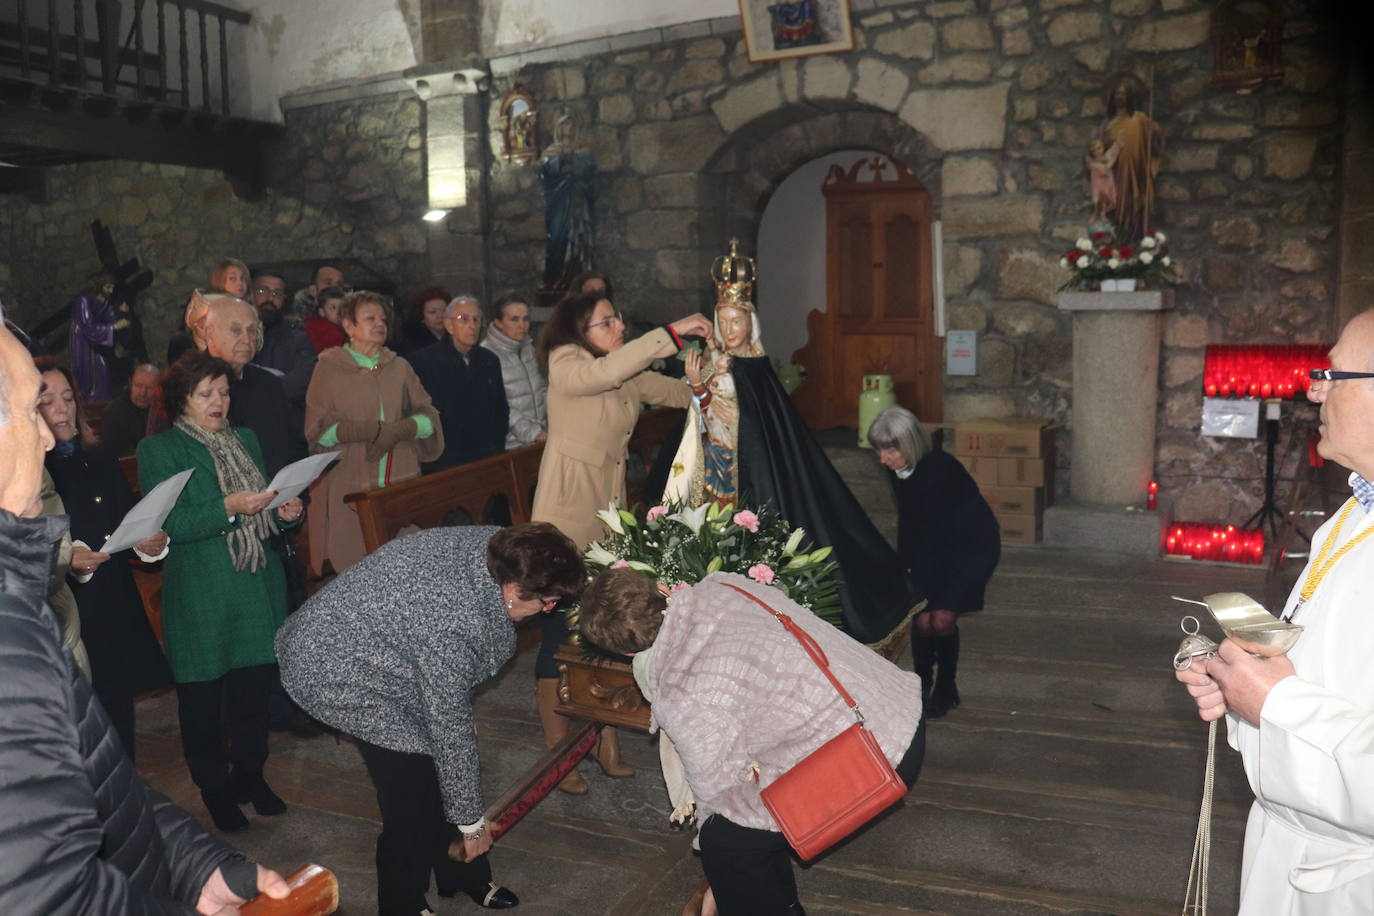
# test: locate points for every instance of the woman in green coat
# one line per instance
(224, 591)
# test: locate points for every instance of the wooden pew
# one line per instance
(428, 501)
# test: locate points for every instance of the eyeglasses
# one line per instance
(268, 291)
(616, 318)
(1332, 375)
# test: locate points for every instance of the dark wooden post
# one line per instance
(24, 64)
(223, 69)
(107, 23)
(161, 51)
(79, 26)
(204, 64)
(54, 55)
(138, 47)
(185, 58)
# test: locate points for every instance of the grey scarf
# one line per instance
(236, 472)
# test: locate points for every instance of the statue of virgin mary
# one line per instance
(746, 444)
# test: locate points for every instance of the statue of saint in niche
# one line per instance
(568, 179)
(1140, 144)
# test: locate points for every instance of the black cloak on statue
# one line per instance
(781, 464)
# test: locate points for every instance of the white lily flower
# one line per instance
(1082, 262)
(692, 518)
(1148, 242)
(612, 519)
(1083, 244)
(1146, 257)
(1113, 263)
(641, 566)
(600, 555)
(793, 542)
(629, 519)
(818, 555)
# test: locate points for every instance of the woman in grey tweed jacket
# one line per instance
(390, 652)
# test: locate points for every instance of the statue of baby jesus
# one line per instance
(714, 387)
(1102, 180)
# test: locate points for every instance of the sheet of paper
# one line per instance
(145, 519)
(292, 480)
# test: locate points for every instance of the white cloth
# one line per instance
(1309, 841)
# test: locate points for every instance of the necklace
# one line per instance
(1322, 565)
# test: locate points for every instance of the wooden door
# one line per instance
(879, 314)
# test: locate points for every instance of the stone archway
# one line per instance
(744, 172)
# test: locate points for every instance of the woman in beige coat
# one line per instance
(367, 402)
(597, 384)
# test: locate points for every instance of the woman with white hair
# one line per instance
(948, 540)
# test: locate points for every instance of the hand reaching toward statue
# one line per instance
(697, 325)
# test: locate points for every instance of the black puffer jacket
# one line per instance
(80, 831)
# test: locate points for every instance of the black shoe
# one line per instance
(226, 815)
(495, 898)
(942, 699)
(251, 787)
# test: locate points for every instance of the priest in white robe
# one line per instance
(1304, 722)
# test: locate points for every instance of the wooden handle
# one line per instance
(314, 892)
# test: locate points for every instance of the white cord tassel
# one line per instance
(1195, 899)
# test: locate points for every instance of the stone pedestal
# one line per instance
(1115, 395)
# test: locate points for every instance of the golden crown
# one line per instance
(734, 276)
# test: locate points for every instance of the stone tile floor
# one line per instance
(1067, 782)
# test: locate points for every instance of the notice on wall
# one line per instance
(961, 352)
(1232, 418)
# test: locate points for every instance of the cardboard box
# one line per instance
(1024, 472)
(1015, 500)
(984, 471)
(1009, 437)
(1019, 529)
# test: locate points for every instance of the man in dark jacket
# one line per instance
(286, 350)
(257, 400)
(82, 832)
(125, 421)
(464, 380)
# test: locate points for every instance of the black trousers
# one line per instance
(415, 837)
(750, 870)
(234, 705)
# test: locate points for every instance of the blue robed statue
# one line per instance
(568, 179)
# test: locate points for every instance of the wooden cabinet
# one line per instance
(879, 314)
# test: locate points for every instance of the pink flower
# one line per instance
(747, 519)
(762, 574)
(656, 513)
(677, 588)
(619, 564)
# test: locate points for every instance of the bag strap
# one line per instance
(808, 643)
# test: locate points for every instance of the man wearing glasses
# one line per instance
(286, 350)
(465, 383)
(1304, 721)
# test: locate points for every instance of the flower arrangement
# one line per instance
(679, 547)
(1097, 259)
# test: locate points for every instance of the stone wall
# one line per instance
(992, 105)
(348, 182)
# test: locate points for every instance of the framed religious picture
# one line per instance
(774, 29)
(1246, 38)
(520, 126)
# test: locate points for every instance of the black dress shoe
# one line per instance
(251, 787)
(495, 898)
(226, 815)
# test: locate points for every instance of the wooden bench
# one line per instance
(474, 489)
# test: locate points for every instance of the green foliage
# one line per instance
(679, 547)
